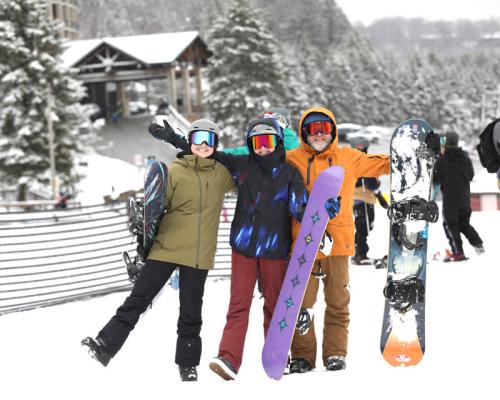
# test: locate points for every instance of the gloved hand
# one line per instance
(333, 207)
(381, 200)
(432, 142)
(164, 132)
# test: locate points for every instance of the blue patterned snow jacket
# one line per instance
(270, 192)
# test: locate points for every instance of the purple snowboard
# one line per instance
(282, 326)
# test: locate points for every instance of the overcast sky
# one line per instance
(368, 10)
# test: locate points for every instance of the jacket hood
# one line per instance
(330, 115)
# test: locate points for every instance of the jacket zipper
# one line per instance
(309, 161)
(196, 169)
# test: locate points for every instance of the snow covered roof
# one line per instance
(158, 48)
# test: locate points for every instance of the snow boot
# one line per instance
(97, 349)
(455, 257)
(361, 260)
(188, 374)
(335, 363)
(223, 368)
(479, 249)
(299, 366)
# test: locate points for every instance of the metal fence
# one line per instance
(52, 257)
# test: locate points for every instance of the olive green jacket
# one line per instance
(194, 196)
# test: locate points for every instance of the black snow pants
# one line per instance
(152, 278)
(456, 220)
(362, 229)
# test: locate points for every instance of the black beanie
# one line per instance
(452, 139)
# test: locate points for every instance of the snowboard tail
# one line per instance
(282, 326)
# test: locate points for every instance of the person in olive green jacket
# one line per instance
(186, 239)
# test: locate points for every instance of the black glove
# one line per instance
(166, 134)
(432, 142)
(333, 207)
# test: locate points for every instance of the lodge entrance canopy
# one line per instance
(172, 56)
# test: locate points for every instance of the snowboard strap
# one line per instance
(399, 232)
(403, 293)
(414, 208)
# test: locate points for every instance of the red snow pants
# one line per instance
(244, 273)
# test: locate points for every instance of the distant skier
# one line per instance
(454, 172)
(187, 239)
(364, 210)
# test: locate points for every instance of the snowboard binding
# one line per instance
(413, 209)
(136, 220)
(403, 293)
(401, 236)
(134, 266)
(303, 321)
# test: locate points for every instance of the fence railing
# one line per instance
(52, 257)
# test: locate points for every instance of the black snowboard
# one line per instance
(147, 215)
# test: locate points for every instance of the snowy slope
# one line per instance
(40, 355)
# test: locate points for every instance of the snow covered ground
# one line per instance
(103, 174)
(40, 354)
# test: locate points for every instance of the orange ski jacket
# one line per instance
(356, 164)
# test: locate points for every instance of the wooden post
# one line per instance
(188, 109)
(122, 98)
(173, 85)
(199, 91)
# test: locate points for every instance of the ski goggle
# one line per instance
(267, 141)
(198, 137)
(319, 127)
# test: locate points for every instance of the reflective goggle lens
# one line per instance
(267, 141)
(323, 127)
(198, 137)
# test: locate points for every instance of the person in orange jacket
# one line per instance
(318, 151)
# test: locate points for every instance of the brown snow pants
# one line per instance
(336, 323)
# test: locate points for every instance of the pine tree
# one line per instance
(245, 73)
(29, 71)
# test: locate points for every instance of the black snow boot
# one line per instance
(188, 374)
(299, 366)
(97, 349)
(335, 363)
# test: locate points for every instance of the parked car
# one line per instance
(344, 129)
(372, 133)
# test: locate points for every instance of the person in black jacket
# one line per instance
(364, 210)
(454, 171)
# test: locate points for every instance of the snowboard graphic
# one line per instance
(147, 216)
(282, 326)
(402, 341)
